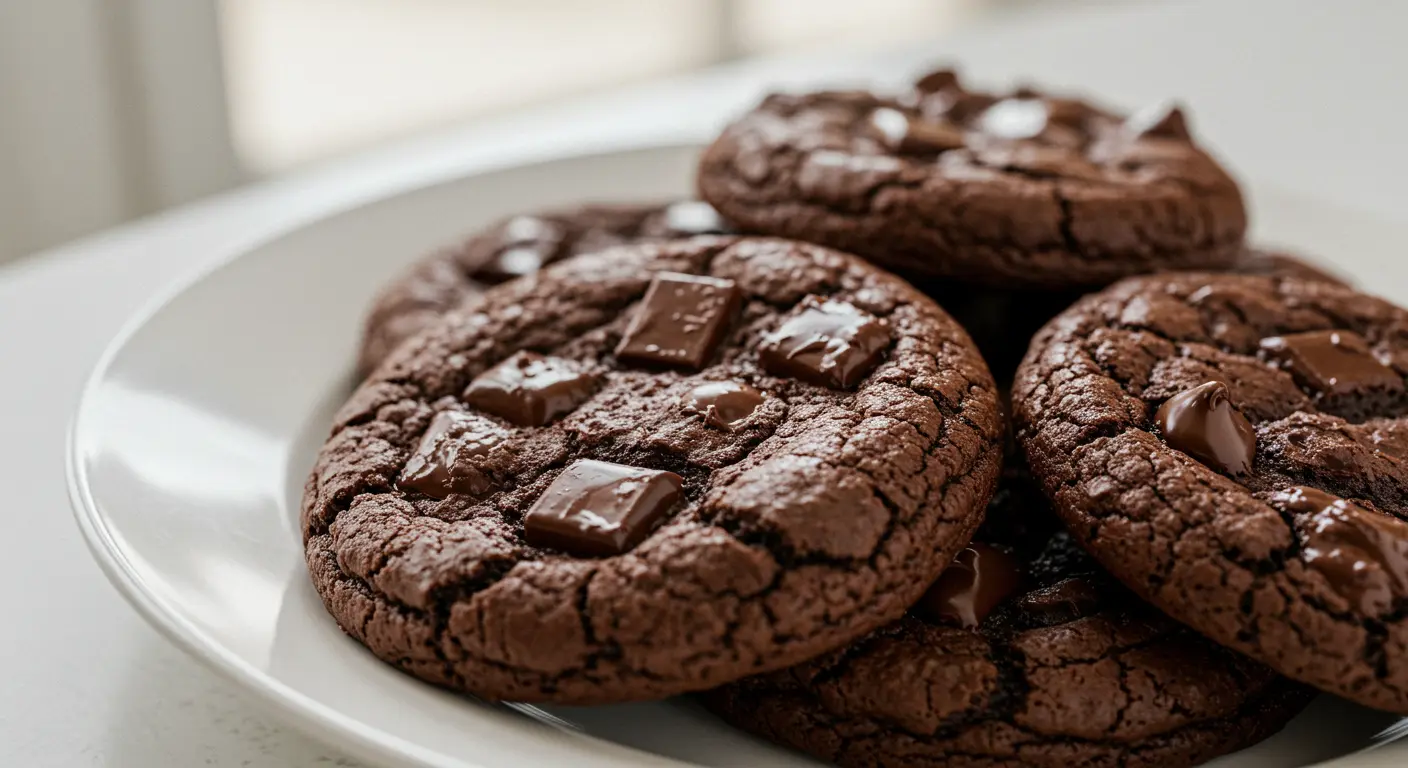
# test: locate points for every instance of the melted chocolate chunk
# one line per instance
(530, 390)
(692, 217)
(1202, 423)
(723, 403)
(1163, 121)
(595, 508)
(1331, 362)
(980, 578)
(938, 80)
(1064, 601)
(681, 320)
(910, 136)
(1015, 119)
(444, 462)
(830, 343)
(1362, 554)
(528, 243)
(1067, 112)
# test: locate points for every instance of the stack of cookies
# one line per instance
(950, 428)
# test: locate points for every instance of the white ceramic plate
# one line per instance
(190, 446)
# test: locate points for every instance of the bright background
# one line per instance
(113, 109)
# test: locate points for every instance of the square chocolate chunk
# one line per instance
(525, 244)
(595, 508)
(448, 458)
(828, 342)
(906, 135)
(680, 321)
(530, 390)
(1331, 362)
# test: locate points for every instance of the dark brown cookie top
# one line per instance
(556, 495)
(512, 247)
(1002, 321)
(1187, 428)
(1280, 263)
(1021, 188)
(1022, 653)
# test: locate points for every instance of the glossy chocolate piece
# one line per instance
(596, 508)
(1331, 362)
(1064, 601)
(694, 217)
(680, 321)
(1361, 553)
(1164, 121)
(977, 581)
(1202, 423)
(530, 390)
(1015, 119)
(907, 135)
(938, 80)
(445, 461)
(723, 403)
(827, 342)
(1067, 112)
(528, 243)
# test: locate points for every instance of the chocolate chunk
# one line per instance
(530, 390)
(680, 320)
(1165, 121)
(723, 403)
(1064, 601)
(595, 508)
(1067, 112)
(828, 342)
(1331, 362)
(906, 135)
(980, 578)
(512, 263)
(444, 462)
(528, 229)
(938, 80)
(1015, 119)
(692, 217)
(1202, 423)
(528, 243)
(1361, 553)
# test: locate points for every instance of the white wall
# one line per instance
(108, 109)
(60, 163)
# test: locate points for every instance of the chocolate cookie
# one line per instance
(1021, 188)
(1003, 320)
(653, 469)
(1235, 450)
(1279, 263)
(1023, 653)
(510, 248)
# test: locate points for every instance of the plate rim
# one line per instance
(303, 713)
(299, 711)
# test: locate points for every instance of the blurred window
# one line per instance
(312, 78)
(146, 104)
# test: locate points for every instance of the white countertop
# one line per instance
(1297, 94)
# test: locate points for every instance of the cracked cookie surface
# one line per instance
(1008, 189)
(1235, 450)
(1068, 669)
(816, 516)
(1276, 262)
(512, 247)
(1002, 320)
